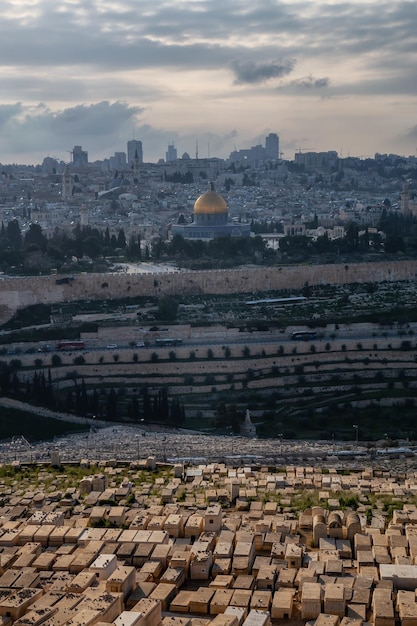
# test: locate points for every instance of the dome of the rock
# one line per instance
(210, 203)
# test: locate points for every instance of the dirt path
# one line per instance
(39, 410)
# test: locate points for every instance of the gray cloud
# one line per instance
(309, 82)
(99, 52)
(27, 128)
(8, 112)
(205, 35)
(412, 133)
(101, 129)
(388, 86)
(255, 73)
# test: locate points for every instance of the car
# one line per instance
(140, 344)
(111, 346)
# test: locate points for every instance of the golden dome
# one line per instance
(210, 202)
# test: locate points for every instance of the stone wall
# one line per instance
(19, 292)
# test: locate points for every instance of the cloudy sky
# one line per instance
(323, 74)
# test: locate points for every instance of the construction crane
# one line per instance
(18, 441)
(22, 439)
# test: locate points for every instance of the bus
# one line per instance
(169, 341)
(74, 344)
(303, 335)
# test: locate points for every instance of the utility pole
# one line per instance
(355, 426)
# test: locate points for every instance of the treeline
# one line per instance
(34, 248)
(266, 227)
(220, 248)
(177, 177)
(117, 405)
(395, 233)
(400, 231)
(111, 405)
(33, 252)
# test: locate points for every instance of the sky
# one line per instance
(322, 74)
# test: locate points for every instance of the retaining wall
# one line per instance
(20, 292)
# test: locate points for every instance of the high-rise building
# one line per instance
(118, 161)
(272, 146)
(134, 146)
(171, 154)
(79, 156)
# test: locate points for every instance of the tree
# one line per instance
(54, 252)
(146, 402)
(163, 404)
(351, 238)
(83, 399)
(16, 364)
(134, 408)
(35, 236)
(14, 235)
(323, 244)
(121, 239)
(227, 415)
(133, 249)
(394, 244)
(94, 403)
(92, 247)
(107, 237)
(69, 401)
(177, 414)
(167, 308)
(111, 405)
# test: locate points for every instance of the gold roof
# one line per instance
(210, 202)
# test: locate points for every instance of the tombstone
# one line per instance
(353, 525)
(55, 458)
(319, 529)
(335, 525)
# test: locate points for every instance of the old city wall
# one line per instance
(20, 292)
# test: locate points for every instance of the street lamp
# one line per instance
(141, 433)
(280, 439)
(355, 426)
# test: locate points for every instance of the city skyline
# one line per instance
(323, 75)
